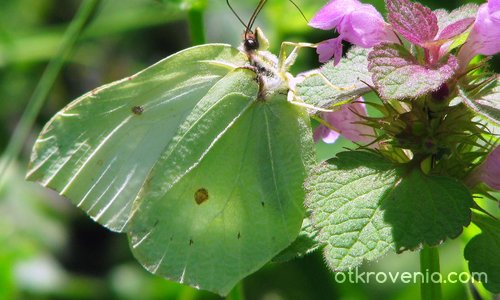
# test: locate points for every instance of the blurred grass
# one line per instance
(45, 84)
(51, 250)
(40, 44)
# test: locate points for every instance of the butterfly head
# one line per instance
(255, 41)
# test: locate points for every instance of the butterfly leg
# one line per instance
(286, 61)
(294, 97)
(296, 100)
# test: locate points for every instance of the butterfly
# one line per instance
(199, 158)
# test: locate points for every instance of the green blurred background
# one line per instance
(51, 250)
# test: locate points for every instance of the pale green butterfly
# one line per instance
(200, 158)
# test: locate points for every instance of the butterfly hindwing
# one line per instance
(225, 201)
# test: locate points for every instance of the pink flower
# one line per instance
(358, 23)
(420, 25)
(485, 35)
(347, 121)
(488, 172)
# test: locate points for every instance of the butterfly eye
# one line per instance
(251, 44)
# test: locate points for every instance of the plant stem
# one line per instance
(237, 292)
(196, 26)
(429, 264)
(45, 84)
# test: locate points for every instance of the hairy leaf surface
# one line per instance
(332, 85)
(485, 104)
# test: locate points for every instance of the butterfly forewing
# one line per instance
(100, 148)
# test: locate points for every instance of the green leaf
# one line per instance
(482, 252)
(332, 85)
(363, 208)
(397, 74)
(344, 197)
(486, 105)
(427, 209)
(201, 167)
(303, 245)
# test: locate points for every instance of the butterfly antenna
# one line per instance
(254, 17)
(248, 27)
(237, 16)
(298, 8)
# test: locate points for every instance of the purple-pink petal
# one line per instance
(358, 23)
(330, 15)
(494, 5)
(485, 35)
(488, 172)
(486, 30)
(491, 169)
(366, 29)
(348, 121)
(330, 48)
(326, 134)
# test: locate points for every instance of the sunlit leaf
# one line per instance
(331, 85)
(364, 206)
(344, 197)
(486, 104)
(397, 74)
(417, 23)
(446, 18)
